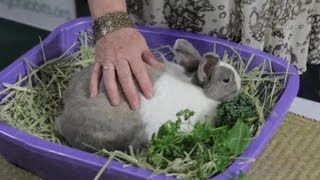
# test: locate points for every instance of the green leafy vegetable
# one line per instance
(238, 137)
(204, 145)
(33, 101)
(241, 106)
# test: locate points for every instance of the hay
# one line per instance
(32, 103)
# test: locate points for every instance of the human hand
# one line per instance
(121, 55)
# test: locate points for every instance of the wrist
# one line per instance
(99, 8)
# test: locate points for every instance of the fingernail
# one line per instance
(115, 103)
(135, 106)
(149, 94)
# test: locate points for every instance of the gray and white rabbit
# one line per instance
(196, 82)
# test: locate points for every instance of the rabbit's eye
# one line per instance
(226, 80)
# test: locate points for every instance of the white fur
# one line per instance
(174, 92)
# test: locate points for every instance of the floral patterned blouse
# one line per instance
(286, 28)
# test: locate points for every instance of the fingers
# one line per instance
(95, 79)
(127, 83)
(109, 79)
(149, 58)
(140, 72)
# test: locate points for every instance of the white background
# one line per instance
(44, 14)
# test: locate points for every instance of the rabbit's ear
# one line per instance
(207, 67)
(186, 55)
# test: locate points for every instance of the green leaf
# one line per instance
(238, 137)
(241, 175)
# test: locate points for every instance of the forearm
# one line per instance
(100, 7)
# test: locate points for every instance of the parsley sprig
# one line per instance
(200, 153)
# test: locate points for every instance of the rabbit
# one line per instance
(196, 82)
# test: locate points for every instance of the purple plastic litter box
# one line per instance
(53, 161)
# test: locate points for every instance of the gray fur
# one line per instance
(222, 85)
(95, 122)
(205, 69)
(218, 81)
(186, 55)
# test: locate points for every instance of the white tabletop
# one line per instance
(306, 108)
